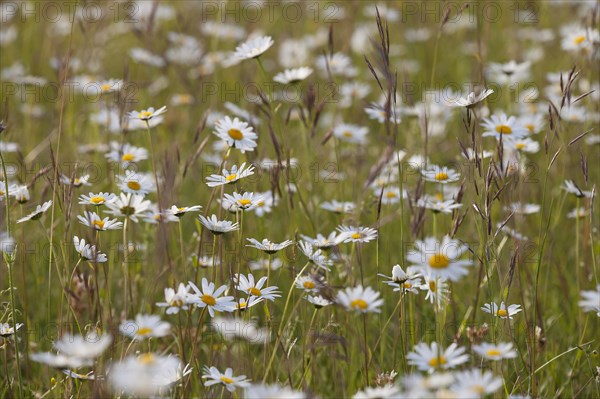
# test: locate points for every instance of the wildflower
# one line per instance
(146, 374)
(381, 392)
(590, 301)
(431, 357)
(145, 326)
(217, 226)
(442, 175)
(495, 351)
(315, 256)
(214, 376)
(248, 286)
(147, 114)
(338, 206)
(240, 202)
(501, 311)
(253, 48)
(87, 251)
(502, 125)
(126, 154)
(359, 299)
(89, 347)
(236, 134)
(475, 382)
(356, 234)
(98, 199)
(180, 211)
(351, 133)
(310, 283)
(39, 211)
(175, 300)
(75, 181)
(91, 219)
(437, 290)
(318, 301)
(570, 187)
(211, 298)
(268, 246)
(129, 206)
(7, 329)
(323, 242)
(523, 209)
(272, 391)
(136, 183)
(291, 76)
(471, 99)
(230, 176)
(440, 259)
(231, 328)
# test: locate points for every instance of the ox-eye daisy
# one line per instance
(147, 114)
(431, 357)
(211, 298)
(87, 251)
(216, 226)
(502, 125)
(240, 202)
(359, 299)
(91, 219)
(230, 176)
(98, 199)
(442, 175)
(315, 256)
(179, 211)
(136, 183)
(255, 289)
(501, 311)
(356, 234)
(590, 301)
(39, 211)
(214, 376)
(495, 351)
(236, 134)
(268, 246)
(145, 326)
(253, 48)
(291, 76)
(129, 206)
(175, 300)
(440, 259)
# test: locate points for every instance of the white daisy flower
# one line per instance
(263, 264)
(471, 99)
(291, 76)
(338, 64)
(244, 303)
(590, 301)
(39, 211)
(442, 175)
(498, 351)
(98, 199)
(318, 301)
(359, 299)
(129, 206)
(145, 326)
(436, 206)
(268, 246)
(214, 376)
(136, 183)
(476, 382)
(521, 145)
(91, 219)
(502, 126)
(236, 202)
(405, 281)
(211, 298)
(381, 392)
(338, 206)
(356, 234)
(379, 113)
(145, 375)
(440, 259)
(180, 211)
(230, 176)
(7, 329)
(59, 361)
(315, 256)
(175, 300)
(216, 226)
(87, 251)
(232, 328)
(577, 213)
(147, 114)
(522, 209)
(236, 134)
(75, 181)
(266, 204)
(430, 357)
(501, 311)
(272, 391)
(323, 242)
(437, 290)
(310, 283)
(253, 48)
(351, 133)
(508, 73)
(89, 347)
(251, 288)
(572, 188)
(126, 154)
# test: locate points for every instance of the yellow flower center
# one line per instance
(127, 157)
(579, 39)
(105, 87)
(520, 146)
(177, 302)
(437, 361)
(530, 127)
(134, 185)
(439, 196)
(309, 285)
(432, 286)
(480, 389)
(356, 236)
(244, 202)
(503, 129)
(144, 331)
(390, 194)
(242, 304)
(439, 261)
(76, 181)
(226, 380)
(254, 291)
(347, 133)
(359, 304)
(502, 312)
(231, 177)
(493, 352)
(97, 200)
(260, 203)
(209, 300)
(147, 358)
(98, 223)
(235, 134)
(407, 285)
(144, 114)
(441, 176)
